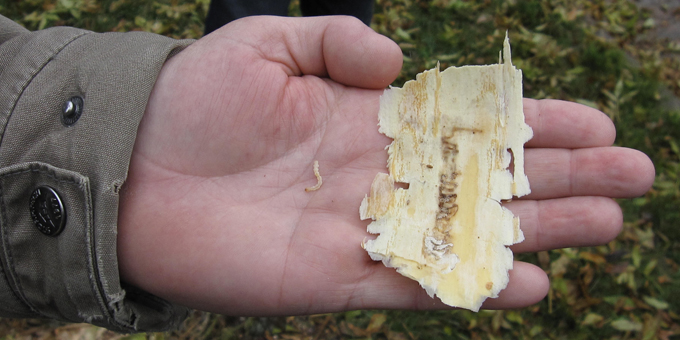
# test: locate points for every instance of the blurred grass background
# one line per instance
(612, 55)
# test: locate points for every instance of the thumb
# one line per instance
(339, 47)
(357, 56)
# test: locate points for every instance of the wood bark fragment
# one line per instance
(455, 134)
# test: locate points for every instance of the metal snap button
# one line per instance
(47, 211)
(73, 108)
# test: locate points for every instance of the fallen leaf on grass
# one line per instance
(626, 325)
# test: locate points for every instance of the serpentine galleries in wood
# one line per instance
(459, 145)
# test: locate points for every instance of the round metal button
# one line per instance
(47, 211)
(73, 108)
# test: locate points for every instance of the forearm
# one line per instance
(81, 152)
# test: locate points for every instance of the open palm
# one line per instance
(215, 215)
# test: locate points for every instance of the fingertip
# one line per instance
(605, 219)
(647, 170)
(615, 223)
(356, 55)
(636, 170)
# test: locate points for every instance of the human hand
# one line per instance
(215, 216)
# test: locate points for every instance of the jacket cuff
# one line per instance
(102, 82)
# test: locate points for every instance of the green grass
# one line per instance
(585, 51)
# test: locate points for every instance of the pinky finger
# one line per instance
(528, 285)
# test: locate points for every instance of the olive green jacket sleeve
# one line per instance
(102, 82)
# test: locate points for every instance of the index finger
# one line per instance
(568, 125)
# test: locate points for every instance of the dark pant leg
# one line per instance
(362, 9)
(222, 12)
